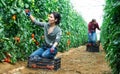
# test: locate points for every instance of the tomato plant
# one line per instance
(110, 34)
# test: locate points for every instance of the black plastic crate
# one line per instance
(51, 64)
(92, 48)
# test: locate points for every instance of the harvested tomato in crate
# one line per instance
(43, 63)
(92, 48)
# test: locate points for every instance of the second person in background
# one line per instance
(92, 26)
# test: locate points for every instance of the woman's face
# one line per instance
(94, 22)
(51, 19)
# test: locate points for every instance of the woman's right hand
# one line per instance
(27, 11)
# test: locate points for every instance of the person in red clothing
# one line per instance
(92, 37)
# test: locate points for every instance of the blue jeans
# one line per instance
(44, 52)
(92, 37)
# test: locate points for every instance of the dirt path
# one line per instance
(75, 61)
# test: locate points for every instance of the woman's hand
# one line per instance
(27, 11)
(52, 49)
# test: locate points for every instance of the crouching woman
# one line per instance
(52, 34)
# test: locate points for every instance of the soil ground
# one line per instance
(74, 61)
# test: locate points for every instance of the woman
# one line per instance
(92, 26)
(52, 34)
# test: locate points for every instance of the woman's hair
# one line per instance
(57, 16)
(93, 20)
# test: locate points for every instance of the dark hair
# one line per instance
(57, 16)
(93, 20)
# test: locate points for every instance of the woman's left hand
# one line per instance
(52, 49)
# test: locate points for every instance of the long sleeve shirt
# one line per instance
(92, 27)
(54, 36)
